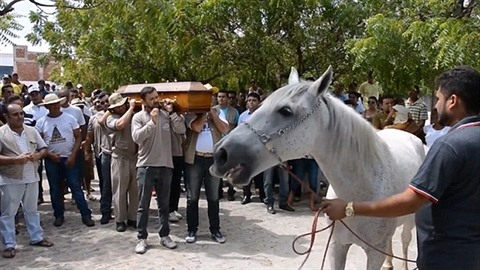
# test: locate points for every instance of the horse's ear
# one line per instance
(320, 85)
(293, 78)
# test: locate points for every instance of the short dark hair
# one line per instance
(14, 98)
(41, 82)
(464, 82)
(347, 102)
(354, 93)
(223, 91)
(146, 90)
(253, 94)
(4, 88)
(232, 92)
(100, 95)
(69, 85)
(385, 97)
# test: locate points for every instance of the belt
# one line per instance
(203, 154)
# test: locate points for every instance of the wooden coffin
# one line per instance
(189, 96)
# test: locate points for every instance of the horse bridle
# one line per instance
(266, 138)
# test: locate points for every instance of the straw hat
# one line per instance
(52, 99)
(78, 102)
(116, 100)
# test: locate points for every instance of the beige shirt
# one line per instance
(122, 142)
(102, 141)
(154, 140)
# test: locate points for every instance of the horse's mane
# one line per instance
(355, 138)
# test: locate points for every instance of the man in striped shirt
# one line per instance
(416, 107)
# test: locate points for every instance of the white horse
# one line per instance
(360, 163)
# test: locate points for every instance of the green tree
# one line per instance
(223, 42)
(413, 41)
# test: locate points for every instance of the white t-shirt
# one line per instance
(58, 133)
(37, 111)
(244, 117)
(76, 113)
(205, 139)
(431, 134)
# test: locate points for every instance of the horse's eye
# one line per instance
(285, 111)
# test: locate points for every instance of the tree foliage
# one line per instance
(227, 43)
(412, 42)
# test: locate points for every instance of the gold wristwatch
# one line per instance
(349, 212)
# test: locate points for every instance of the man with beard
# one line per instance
(151, 131)
(448, 227)
(124, 157)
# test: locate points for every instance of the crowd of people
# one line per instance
(143, 154)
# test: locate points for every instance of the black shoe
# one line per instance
(217, 236)
(245, 200)
(105, 219)
(132, 223)
(88, 221)
(58, 222)
(121, 226)
(286, 207)
(271, 210)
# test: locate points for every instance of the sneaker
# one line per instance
(168, 242)
(172, 217)
(217, 236)
(191, 237)
(271, 210)
(141, 246)
(178, 215)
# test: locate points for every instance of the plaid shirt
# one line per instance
(418, 110)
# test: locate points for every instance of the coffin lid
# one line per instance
(163, 87)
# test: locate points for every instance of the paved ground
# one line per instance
(255, 240)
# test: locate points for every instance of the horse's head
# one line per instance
(279, 130)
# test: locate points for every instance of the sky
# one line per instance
(23, 8)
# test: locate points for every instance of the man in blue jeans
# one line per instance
(62, 136)
(204, 130)
(284, 188)
(98, 135)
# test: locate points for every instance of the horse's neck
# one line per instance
(349, 155)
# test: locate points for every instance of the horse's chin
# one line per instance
(239, 175)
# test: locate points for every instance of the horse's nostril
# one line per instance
(221, 157)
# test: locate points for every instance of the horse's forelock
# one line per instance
(288, 92)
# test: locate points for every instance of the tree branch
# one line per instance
(9, 7)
